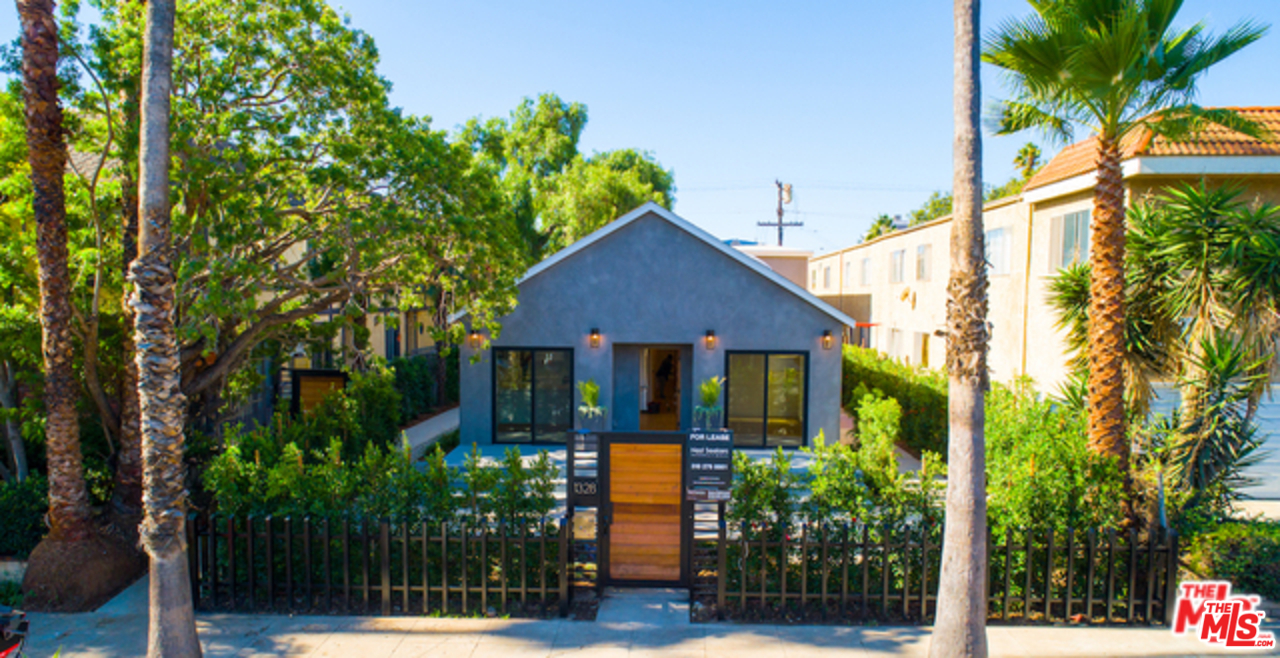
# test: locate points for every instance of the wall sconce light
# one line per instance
(711, 339)
(827, 340)
(474, 339)
(595, 338)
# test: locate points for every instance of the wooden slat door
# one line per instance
(645, 531)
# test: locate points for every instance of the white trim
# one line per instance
(1163, 165)
(650, 207)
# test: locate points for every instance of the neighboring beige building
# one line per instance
(792, 264)
(897, 283)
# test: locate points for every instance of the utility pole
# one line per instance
(784, 196)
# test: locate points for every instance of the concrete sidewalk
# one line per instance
(422, 436)
(119, 629)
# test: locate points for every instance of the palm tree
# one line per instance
(172, 627)
(69, 514)
(1028, 160)
(962, 602)
(1116, 67)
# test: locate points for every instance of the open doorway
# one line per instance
(660, 389)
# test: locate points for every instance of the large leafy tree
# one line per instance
(1115, 67)
(962, 598)
(297, 189)
(555, 195)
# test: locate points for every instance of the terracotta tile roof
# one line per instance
(1079, 158)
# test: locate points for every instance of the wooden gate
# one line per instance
(646, 514)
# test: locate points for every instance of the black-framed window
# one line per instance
(767, 398)
(532, 395)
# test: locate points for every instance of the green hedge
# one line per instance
(415, 379)
(1247, 553)
(22, 509)
(922, 394)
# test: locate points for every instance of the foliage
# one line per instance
(1247, 553)
(921, 393)
(510, 492)
(709, 407)
(11, 593)
(23, 506)
(1041, 474)
(764, 492)
(554, 194)
(590, 392)
(1193, 463)
(298, 188)
(415, 380)
(882, 225)
(1113, 66)
(937, 205)
(366, 413)
(449, 440)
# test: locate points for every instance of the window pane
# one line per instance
(786, 400)
(866, 271)
(553, 415)
(746, 398)
(513, 389)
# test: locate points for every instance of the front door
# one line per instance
(646, 509)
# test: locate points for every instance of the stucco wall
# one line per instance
(651, 283)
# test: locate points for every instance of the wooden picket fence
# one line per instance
(353, 566)
(854, 573)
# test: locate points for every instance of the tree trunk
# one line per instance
(960, 629)
(1106, 308)
(69, 514)
(172, 628)
(127, 494)
(13, 434)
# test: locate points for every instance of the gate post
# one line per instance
(721, 562)
(566, 565)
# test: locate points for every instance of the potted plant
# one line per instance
(709, 410)
(590, 410)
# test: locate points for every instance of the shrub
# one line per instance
(1040, 472)
(22, 509)
(416, 382)
(11, 593)
(920, 392)
(1247, 553)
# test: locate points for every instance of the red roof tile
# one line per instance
(1081, 157)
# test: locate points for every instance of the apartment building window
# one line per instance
(997, 240)
(1070, 239)
(897, 265)
(866, 271)
(924, 262)
(848, 275)
(826, 278)
(813, 279)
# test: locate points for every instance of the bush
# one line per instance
(1041, 474)
(11, 593)
(1247, 553)
(22, 509)
(415, 381)
(920, 392)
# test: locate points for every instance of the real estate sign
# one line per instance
(709, 466)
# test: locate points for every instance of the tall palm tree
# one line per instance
(69, 515)
(1028, 160)
(1116, 67)
(962, 600)
(883, 225)
(172, 626)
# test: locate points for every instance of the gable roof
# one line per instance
(1080, 158)
(650, 207)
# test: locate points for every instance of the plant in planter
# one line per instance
(709, 410)
(590, 410)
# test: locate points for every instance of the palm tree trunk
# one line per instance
(1106, 308)
(960, 629)
(127, 494)
(172, 627)
(69, 514)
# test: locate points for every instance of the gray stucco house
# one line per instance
(649, 306)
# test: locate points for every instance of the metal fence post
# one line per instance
(566, 530)
(384, 550)
(193, 558)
